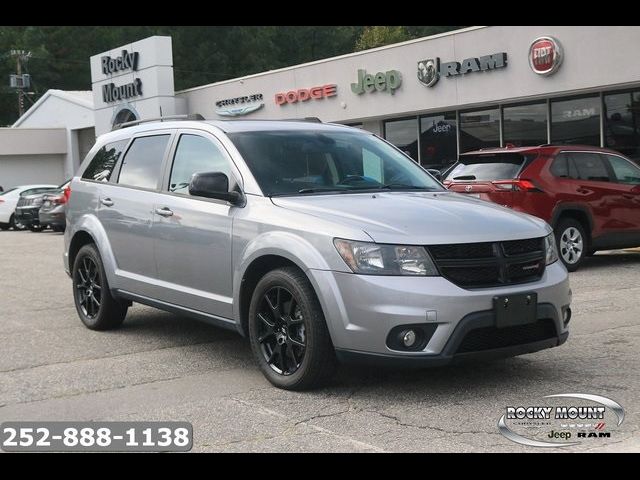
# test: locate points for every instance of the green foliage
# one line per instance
(373, 37)
(201, 55)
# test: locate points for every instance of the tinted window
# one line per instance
(560, 166)
(590, 167)
(576, 121)
(404, 135)
(438, 144)
(479, 129)
(625, 171)
(7, 191)
(622, 123)
(142, 163)
(103, 162)
(487, 167)
(525, 125)
(196, 154)
(310, 161)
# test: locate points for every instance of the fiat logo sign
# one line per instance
(545, 55)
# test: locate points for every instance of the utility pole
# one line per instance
(21, 56)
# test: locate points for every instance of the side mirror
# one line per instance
(435, 173)
(213, 185)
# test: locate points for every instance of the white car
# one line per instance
(9, 200)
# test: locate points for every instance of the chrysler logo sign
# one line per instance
(545, 55)
(233, 107)
(430, 71)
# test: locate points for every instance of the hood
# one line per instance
(419, 217)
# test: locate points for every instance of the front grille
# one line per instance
(488, 338)
(490, 264)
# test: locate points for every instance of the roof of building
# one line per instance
(84, 98)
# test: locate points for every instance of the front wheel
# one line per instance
(572, 243)
(97, 309)
(288, 332)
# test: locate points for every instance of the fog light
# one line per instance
(409, 338)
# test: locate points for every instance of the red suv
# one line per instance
(589, 195)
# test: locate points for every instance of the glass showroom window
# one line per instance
(525, 125)
(576, 121)
(622, 123)
(438, 145)
(404, 135)
(479, 129)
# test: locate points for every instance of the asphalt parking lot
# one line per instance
(160, 366)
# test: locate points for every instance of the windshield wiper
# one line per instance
(392, 186)
(317, 190)
(465, 177)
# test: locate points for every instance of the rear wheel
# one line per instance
(572, 242)
(288, 332)
(36, 228)
(97, 309)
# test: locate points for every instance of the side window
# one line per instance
(196, 154)
(142, 163)
(103, 162)
(590, 167)
(624, 170)
(560, 166)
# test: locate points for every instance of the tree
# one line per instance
(373, 37)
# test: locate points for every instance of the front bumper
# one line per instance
(361, 310)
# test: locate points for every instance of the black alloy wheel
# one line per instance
(95, 305)
(281, 332)
(288, 332)
(89, 288)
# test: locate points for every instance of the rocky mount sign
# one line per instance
(110, 66)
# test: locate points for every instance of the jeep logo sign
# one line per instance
(430, 71)
(380, 82)
(545, 55)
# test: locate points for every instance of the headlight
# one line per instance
(550, 249)
(378, 259)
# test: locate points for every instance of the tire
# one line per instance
(103, 312)
(572, 242)
(4, 226)
(58, 229)
(36, 228)
(299, 318)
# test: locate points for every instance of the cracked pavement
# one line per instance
(161, 367)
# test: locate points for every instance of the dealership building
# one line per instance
(433, 97)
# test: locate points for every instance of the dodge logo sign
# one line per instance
(545, 55)
(429, 71)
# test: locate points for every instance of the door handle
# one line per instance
(107, 202)
(164, 211)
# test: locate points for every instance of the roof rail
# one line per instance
(305, 119)
(191, 116)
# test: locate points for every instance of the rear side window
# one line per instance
(142, 163)
(590, 167)
(101, 166)
(501, 166)
(560, 166)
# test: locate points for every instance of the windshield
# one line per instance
(286, 162)
(487, 167)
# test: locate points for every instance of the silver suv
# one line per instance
(320, 242)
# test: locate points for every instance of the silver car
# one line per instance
(321, 243)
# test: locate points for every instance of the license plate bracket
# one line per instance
(516, 309)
